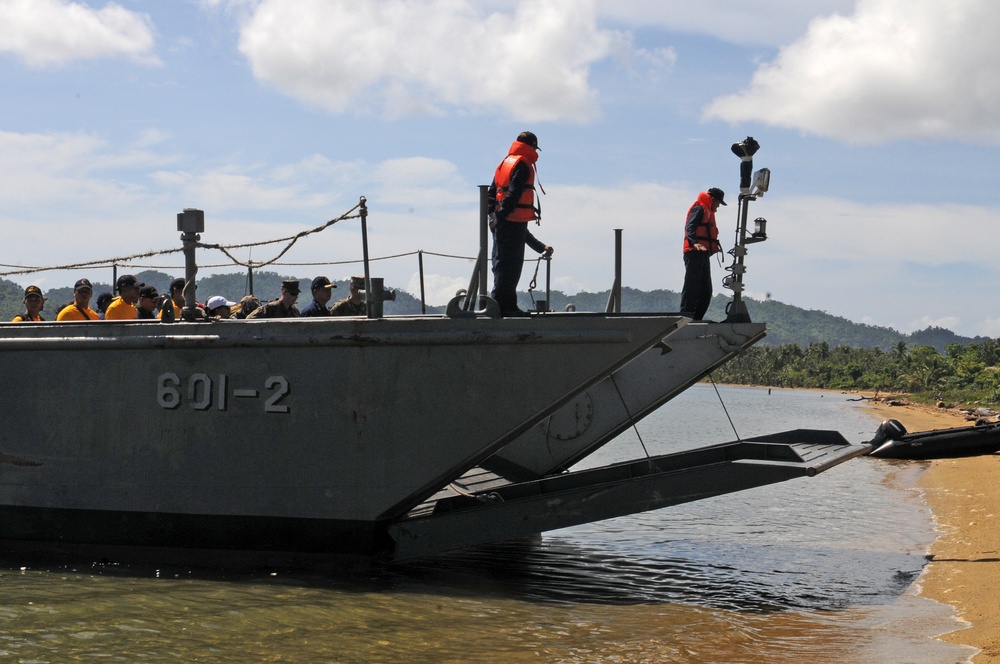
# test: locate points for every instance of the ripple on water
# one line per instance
(816, 570)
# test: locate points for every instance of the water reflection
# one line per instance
(818, 570)
(554, 600)
(717, 575)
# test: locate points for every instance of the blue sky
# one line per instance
(879, 119)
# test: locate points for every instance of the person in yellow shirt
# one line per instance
(33, 303)
(123, 306)
(176, 297)
(79, 308)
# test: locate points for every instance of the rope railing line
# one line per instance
(89, 264)
(309, 264)
(431, 253)
(109, 262)
(225, 249)
(291, 239)
(128, 263)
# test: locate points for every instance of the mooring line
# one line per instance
(726, 410)
(629, 413)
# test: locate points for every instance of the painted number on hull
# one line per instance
(200, 391)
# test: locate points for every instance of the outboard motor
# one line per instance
(887, 432)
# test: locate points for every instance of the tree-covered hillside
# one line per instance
(962, 374)
(787, 324)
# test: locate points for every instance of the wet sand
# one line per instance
(964, 496)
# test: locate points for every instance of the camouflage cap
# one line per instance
(248, 304)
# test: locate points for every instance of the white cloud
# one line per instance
(771, 22)
(885, 264)
(225, 190)
(438, 289)
(54, 182)
(580, 222)
(922, 323)
(988, 327)
(429, 56)
(895, 69)
(43, 170)
(422, 183)
(644, 63)
(47, 33)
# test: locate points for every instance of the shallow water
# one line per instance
(818, 569)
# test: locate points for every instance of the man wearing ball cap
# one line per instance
(33, 303)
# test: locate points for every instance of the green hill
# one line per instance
(786, 323)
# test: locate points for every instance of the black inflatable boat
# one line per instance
(892, 442)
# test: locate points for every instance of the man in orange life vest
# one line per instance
(701, 241)
(511, 206)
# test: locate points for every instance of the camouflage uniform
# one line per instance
(274, 309)
(348, 308)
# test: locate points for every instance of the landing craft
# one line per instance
(386, 436)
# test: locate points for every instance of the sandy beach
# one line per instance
(964, 496)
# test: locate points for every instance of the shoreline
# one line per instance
(963, 495)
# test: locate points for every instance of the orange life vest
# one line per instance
(524, 210)
(706, 233)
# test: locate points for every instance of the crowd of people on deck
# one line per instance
(137, 301)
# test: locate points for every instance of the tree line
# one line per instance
(964, 373)
(930, 364)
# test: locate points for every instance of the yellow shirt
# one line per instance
(72, 313)
(177, 311)
(119, 309)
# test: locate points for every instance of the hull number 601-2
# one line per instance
(201, 392)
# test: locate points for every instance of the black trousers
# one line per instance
(697, 292)
(508, 260)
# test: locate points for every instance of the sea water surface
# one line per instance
(818, 570)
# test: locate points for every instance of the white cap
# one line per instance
(218, 301)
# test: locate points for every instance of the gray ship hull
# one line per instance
(275, 435)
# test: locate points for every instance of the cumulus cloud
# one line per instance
(47, 33)
(770, 22)
(422, 183)
(884, 264)
(989, 327)
(894, 69)
(226, 190)
(105, 193)
(924, 322)
(43, 171)
(429, 56)
(438, 289)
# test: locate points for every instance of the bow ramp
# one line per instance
(483, 507)
(624, 397)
